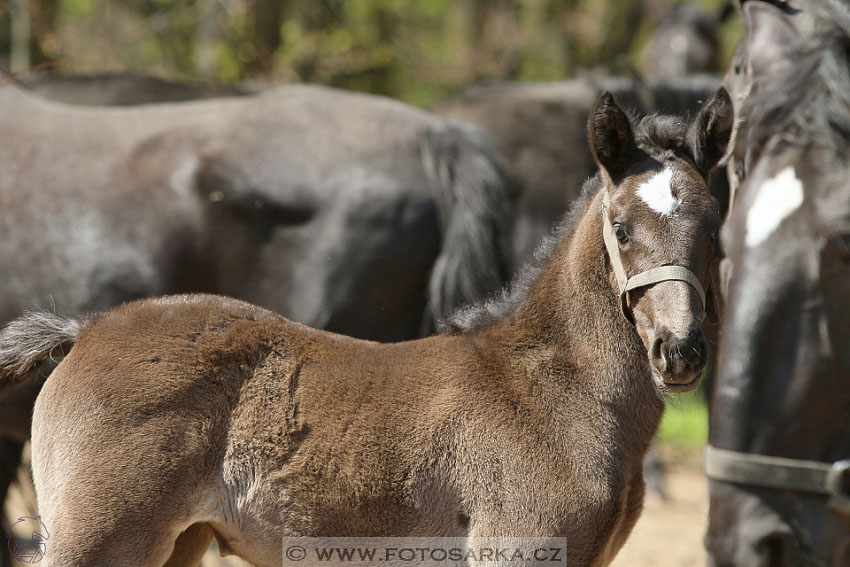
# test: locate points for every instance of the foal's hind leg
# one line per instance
(129, 512)
(191, 546)
(100, 541)
(104, 520)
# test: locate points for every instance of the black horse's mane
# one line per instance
(808, 101)
(658, 135)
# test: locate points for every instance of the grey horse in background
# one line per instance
(347, 212)
(539, 128)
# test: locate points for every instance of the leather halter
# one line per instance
(781, 473)
(643, 279)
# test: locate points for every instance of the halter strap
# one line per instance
(643, 279)
(782, 473)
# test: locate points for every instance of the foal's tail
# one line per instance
(30, 339)
(475, 202)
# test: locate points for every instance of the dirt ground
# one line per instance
(668, 534)
(670, 531)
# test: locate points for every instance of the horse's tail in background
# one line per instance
(475, 205)
(29, 340)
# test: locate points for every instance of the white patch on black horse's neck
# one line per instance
(777, 198)
(657, 193)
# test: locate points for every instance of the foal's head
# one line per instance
(660, 213)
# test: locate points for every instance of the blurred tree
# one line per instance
(266, 17)
(416, 50)
(208, 35)
(20, 35)
(28, 39)
(495, 35)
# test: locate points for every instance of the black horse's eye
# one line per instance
(620, 233)
(740, 169)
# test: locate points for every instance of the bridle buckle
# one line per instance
(838, 484)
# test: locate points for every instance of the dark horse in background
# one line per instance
(780, 411)
(345, 212)
(685, 39)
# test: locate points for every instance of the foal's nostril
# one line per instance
(678, 356)
(775, 550)
(702, 351)
(695, 350)
(659, 353)
(679, 362)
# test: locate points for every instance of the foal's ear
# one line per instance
(768, 31)
(610, 134)
(709, 133)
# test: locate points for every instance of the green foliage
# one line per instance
(685, 421)
(78, 7)
(416, 50)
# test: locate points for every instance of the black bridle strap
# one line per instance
(781, 473)
(643, 279)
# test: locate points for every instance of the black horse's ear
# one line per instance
(610, 134)
(768, 31)
(709, 134)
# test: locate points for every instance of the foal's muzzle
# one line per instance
(680, 362)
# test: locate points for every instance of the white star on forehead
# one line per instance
(657, 193)
(777, 198)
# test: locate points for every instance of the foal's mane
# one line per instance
(809, 100)
(657, 135)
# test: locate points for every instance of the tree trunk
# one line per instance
(495, 36)
(208, 33)
(21, 34)
(267, 19)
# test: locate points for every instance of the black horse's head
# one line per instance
(783, 389)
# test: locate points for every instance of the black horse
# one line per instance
(779, 430)
(346, 212)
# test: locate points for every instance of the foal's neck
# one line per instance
(572, 332)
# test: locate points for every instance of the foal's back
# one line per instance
(260, 426)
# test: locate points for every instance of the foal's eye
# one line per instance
(740, 169)
(620, 233)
